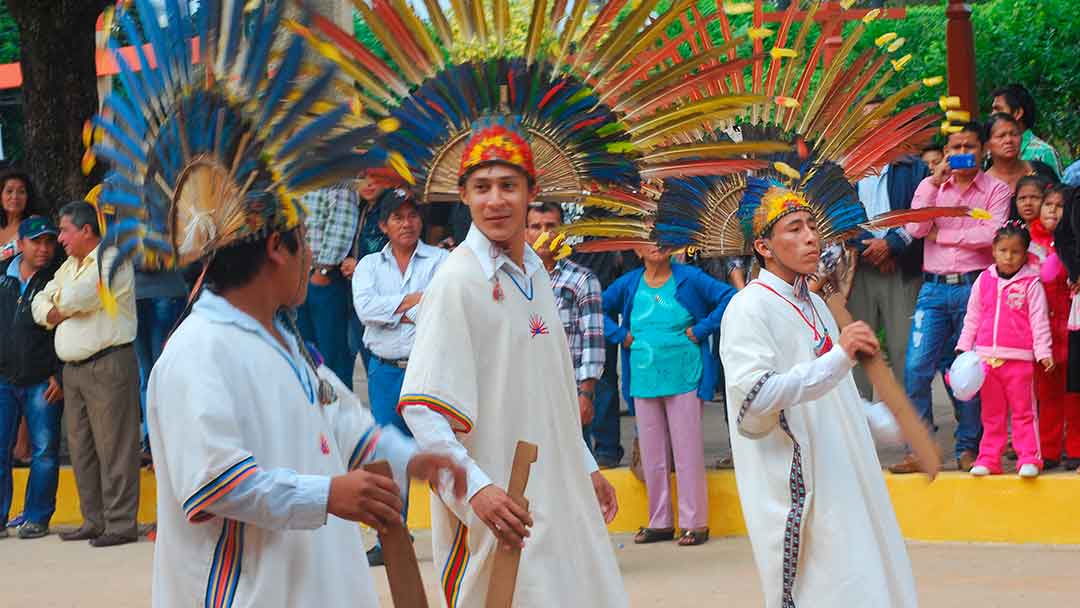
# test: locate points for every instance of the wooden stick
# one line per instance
(505, 567)
(911, 425)
(402, 569)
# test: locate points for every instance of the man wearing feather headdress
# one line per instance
(489, 368)
(258, 446)
(816, 506)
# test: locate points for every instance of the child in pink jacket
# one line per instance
(1008, 326)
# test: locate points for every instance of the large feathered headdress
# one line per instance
(596, 124)
(224, 120)
(836, 128)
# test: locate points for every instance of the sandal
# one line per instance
(645, 536)
(693, 538)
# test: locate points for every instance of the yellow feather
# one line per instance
(108, 300)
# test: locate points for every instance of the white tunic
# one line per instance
(500, 371)
(244, 454)
(818, 513)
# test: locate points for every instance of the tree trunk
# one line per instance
(59, 90)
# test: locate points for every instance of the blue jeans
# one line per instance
(602, 434)
(156, 317)
(935, 330)
(384, 389)
(324, 319)
(43, 423)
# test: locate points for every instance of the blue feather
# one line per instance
(148, 17)
(132, 119)
(313, 93)
(283, 79)
(313, 130)
(134, 150)
(257, 57)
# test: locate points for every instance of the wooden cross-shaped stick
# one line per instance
(402, 569)
(505, 567)
(892, 394)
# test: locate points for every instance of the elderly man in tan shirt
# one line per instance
(100, 380)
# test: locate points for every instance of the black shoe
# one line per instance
(79, 534)
(1049, 465)
(32, 530)
(1071, 464)
(374, 556)
(111, 540)
(607, 462)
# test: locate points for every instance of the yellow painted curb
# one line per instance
(956, 507)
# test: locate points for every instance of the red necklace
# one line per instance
(822, 341)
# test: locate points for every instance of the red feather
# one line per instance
(368, 60)
(702, 167)
(781, 40)
(887, 136)
(846, 87)
(678, 91)
(900, 217)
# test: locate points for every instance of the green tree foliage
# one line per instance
(1031, 42)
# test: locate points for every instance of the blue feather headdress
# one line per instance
(722, 216)
(221, 125)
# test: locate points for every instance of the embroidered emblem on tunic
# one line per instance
(537, 327)
(324, 444)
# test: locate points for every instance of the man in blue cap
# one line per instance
(29, 371)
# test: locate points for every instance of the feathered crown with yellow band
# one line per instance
(497, 139)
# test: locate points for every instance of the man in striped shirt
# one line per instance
(577, 295)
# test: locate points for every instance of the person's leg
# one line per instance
(864, 305)
(144, 353)
(43, 419)
(356, 330)
(384, 391)
(1072, 425)
(329, 310)
(606, 425)
(684, 422)
(9, 428)
(969, 421)
(112, 407)
(930, 324)
(1025, 422)
(1050, 395)
(655, 447)
(81, 447)
(994, 408)
(898, 307)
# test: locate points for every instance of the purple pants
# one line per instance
(666, 423)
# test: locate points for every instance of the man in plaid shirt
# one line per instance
(577, 294)
(331, 225)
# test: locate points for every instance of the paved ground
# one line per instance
(46, 573)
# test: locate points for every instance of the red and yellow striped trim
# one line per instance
(225, 569)
(454, 570)
(194, 507)
(458, 420)
(364, 447)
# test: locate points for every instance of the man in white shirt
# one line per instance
(491, 367)
(258, 447)
(387, 288)
(817, 509)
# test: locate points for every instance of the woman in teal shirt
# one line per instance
(668, 313)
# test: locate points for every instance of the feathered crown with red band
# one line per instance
(497, 139)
